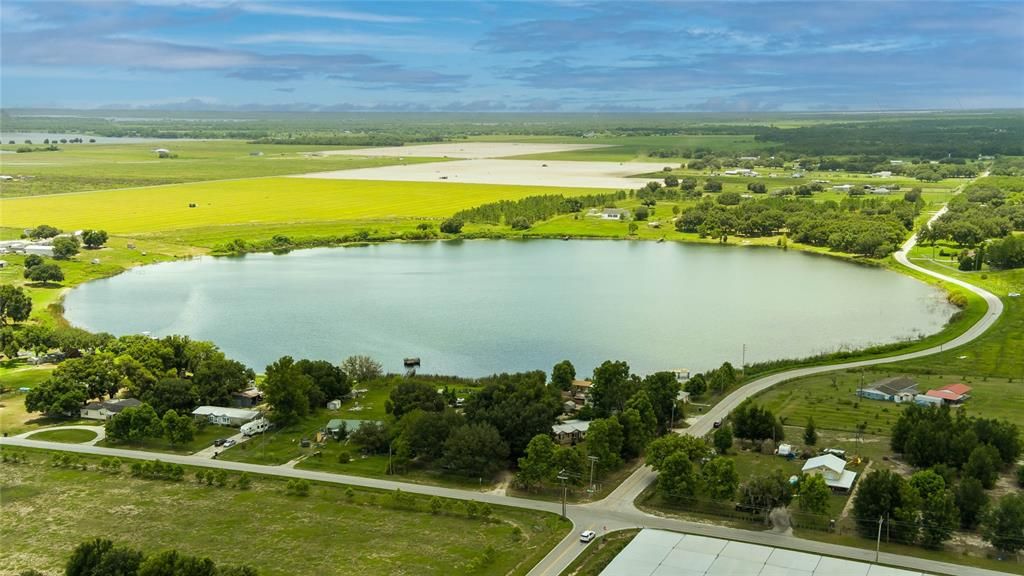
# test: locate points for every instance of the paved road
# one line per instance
(617, 511)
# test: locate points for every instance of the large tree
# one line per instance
(44, 273)
(286, 390)
(971, 500)
(361, 368)
(563, 374)
(939, 518)
(422, 434)
(538, 463)
(476, 450)
(56, 396)
(1004, 525)
(65, 247)
(814, 494)
(178, 429)
(720, 478)
(97, 373)
(520, 406)
(94, 238)
(678, 480)
(217, 378)
(134, 424)
(175, 394)
(15, 304)
(409, 395)
(329, 381)
(604, 441)
(885, 495)
(663, 389)
(612, 386)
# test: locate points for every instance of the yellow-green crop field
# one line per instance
(256, 200)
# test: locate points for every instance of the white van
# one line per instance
(258, 426)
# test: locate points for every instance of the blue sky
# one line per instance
(513, 56)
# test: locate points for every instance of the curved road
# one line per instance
(617, 511)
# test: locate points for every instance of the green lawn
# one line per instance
(600, 552)
(82, 167)
(47, 511)
(831, 399)
(68, 436)
(204, 437)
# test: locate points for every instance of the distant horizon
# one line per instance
(329, 109)
(574, 56)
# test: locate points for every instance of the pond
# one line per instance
(478, 307)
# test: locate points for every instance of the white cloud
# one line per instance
(331, 14)
(397, 43)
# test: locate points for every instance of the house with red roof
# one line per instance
(949, 394)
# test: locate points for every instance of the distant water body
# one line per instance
(38, 137)
(479, 307)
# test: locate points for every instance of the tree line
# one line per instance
(870, 227)
(526, 211)
(101, 557)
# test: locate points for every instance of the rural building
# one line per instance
(896, 389)
(163, 152)
(843, 187)
(682, 375)
(336, 425)
(570, 431)
(246, 398)
(614, 214)
(833, 469)
(785, 450)
(106, 410)
(40, 249)
(225, 416)
(926, 400)
(334, 405)
(951, 393)
(881, 174)
(579, 392)
(881, 190)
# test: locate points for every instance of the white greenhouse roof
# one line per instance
(663, 553)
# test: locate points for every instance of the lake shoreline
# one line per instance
(847, 351)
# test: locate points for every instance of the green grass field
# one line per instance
(258, 200)
(81, 167)
(68, 436)
(47, 511)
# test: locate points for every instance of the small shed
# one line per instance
(833, 470)
(162, 152)
(246, 398)
(334, 405)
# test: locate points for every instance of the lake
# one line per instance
(477, 307)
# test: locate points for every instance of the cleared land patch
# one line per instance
(48, 510)
(465, 150)
(258, 200)
(614, 175)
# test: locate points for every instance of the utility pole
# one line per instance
(744, 364)
(593, 460)
(563, 476)
(878, 542)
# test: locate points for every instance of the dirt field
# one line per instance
(612, 175)
(464, 150)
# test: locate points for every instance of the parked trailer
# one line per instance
(258, 426)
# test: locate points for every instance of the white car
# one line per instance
(1014, 294)
(229, 443)
(587, 536)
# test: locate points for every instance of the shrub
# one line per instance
(344, 457)
(452, 226)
